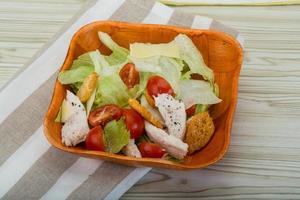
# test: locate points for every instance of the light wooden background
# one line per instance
(263, 160)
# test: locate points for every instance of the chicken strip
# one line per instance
(173, 113)
(171, 144)
(76, 127)
(132, 150)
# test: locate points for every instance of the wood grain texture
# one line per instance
(263, 160)
(25, 26)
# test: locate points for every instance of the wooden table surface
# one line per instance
(263, 160)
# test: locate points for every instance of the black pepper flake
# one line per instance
(72, 104)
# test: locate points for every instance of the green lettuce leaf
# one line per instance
(186, 75)
(116, 136)
(150, 64)
(85, 65)
(171, 71)
(115, 59)
(99, 61)
(119, 54)
(197, 92)
(102, 67)
(88, 63)
(95, 61)
(201, 108)
(80, 69)
(75, 75)
(191, 55)
(168, 68)
(112, 90)
(138, 89)
(83, 60)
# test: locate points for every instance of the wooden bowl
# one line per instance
(220, 51)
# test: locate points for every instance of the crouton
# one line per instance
(149, 99)
(200, 129)
(145, 113)
(87, 87)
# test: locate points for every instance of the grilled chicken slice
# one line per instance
(171, 144)
(132, 150)
(173, 113)
(76, 127)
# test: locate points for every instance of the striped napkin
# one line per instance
(29, 167)
(230, 2)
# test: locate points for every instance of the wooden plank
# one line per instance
(264, 157)
(25, 26)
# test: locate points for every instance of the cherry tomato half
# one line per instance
(191, 110)
(157, 85)
(134, 122)
(104, 114)
(151, 150)
(129, 75)
(94, 140)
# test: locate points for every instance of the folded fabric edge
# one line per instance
(229, 3)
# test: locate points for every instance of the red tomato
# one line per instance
(191, 110)
(129, 75)
(158, 85)
(104, 114)
(94, 140)
(151, 150)
(134, 122)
